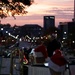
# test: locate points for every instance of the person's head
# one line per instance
(50, 37)
(47, 39)
(53, 36)
(39, 42)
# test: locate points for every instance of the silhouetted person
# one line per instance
(55, 58)
(26, 52)
(52, 45)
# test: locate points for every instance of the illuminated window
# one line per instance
(52, 17)
(46, 17)
(73, 41)
(64, 32)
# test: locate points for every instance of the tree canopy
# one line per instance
(14, 7)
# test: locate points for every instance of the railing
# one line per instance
(70, 66)
(0, 63)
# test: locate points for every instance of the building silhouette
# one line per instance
(32, 30)
(49, 21)
(67, 33)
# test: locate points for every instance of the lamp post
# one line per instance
(12, 57)
(11, 64)
(20, 57)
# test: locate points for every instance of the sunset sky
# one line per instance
(61, 9)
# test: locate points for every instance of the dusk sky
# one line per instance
(61, 9)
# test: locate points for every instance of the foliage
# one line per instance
(14, 7)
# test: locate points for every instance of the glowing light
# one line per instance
(1, 28)
(73, 41)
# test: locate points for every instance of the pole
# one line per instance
(74, 10)
(11, 64)
(21, 63)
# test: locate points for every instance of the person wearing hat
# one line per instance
(55, 57)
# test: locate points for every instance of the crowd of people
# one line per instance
(51, 50)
